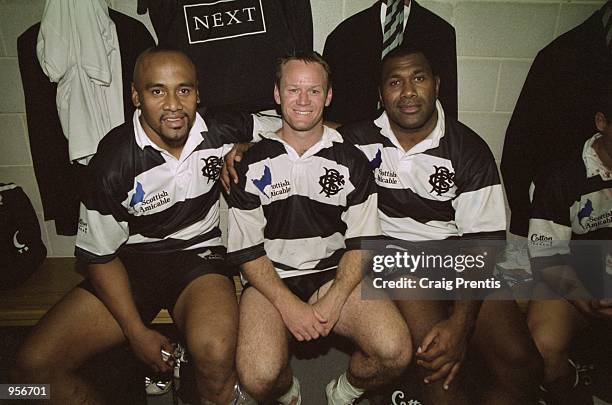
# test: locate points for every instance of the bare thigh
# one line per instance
(74, 330)
(263, 339)
(370, 323)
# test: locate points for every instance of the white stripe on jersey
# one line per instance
(361, 219)
(90, 239)
(246, 228)
(299, 253)
(409, 229)
(291, 178)
(482, 210)
(198, 228)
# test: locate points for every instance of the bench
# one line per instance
(26, 304)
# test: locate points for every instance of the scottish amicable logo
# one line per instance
(264, 181)
(377, 161)
(331, 182)
(223, 19)
(585, 213)
(138, 195)
(140, 205)
(212, 168)
(441, 180)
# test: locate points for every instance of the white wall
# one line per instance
(496, 43)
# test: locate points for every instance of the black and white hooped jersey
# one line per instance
(572, 201)
(303, 212)
(446, 186)
(140, 198)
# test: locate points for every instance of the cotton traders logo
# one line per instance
(331, 182)
(397, 398)
(140, 204)
(223, 20)
(442, 180)
(212, 168)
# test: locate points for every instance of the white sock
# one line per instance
(294, 391)
(345, 390)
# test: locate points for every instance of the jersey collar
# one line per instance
(431, 141)
(327, 139)
(196, 134)
(592, 162)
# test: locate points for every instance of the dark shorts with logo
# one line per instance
(304, 286)
(157, 280)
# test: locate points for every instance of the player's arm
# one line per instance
(298, 316)
(246, 224)
(111, 283)
(103, 229)
(480, 216)
(362, 222)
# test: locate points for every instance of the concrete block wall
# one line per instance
(496, 43)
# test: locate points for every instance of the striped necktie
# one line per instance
(394, 26)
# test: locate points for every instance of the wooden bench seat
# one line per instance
(26, 304)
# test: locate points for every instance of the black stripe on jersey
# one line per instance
(349, 156)
(245, 255)
(396, 203)
(300, 211)
(470, 155)
(179, 216)
(323, 264)
(357, 243)
(106, 172)
(543, 262)
(171, 245)
(494, 235)
(83, 256)
(226, 127)
(364, 133)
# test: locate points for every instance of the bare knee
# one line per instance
(33, 367)
(551, 348)
(259, 378)
(213, 357)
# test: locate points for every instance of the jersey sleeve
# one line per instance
(103, 226)
(550, 224)
(238, 127)
(361, 214)
(480, 212)
(246, 220)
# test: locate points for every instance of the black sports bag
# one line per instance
(21, 247)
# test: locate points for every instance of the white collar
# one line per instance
(329, 136)
(431, 141)
(592, 162)
(193, 140)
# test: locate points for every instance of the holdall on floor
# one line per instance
(21, 247)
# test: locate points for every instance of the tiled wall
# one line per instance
(496, 43)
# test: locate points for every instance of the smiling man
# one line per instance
(437, 180)
(303, 202)
(149, 237)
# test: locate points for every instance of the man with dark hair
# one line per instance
(437, 180)
(572, 202)
(149, 237)
(302, 205)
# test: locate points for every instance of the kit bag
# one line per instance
(21, 248)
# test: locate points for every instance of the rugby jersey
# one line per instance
(303, 212)
(572, 200)
(446, 186)
(140, 198)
